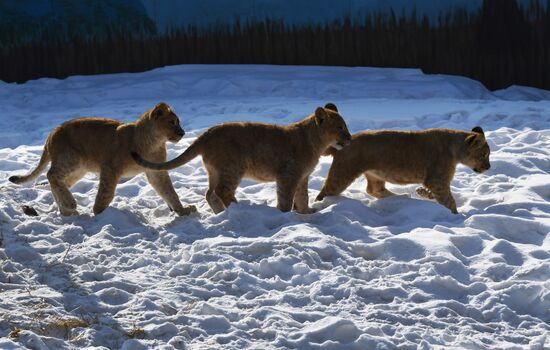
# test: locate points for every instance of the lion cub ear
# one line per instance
(331, 106)
(475, 140)
(162, 105)
(320, 115)
(158, 111)
(478, 129)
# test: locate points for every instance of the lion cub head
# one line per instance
(333, 126)
(477, 151)
(166, 122)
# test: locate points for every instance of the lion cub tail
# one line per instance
(44, 160)
(193, 151)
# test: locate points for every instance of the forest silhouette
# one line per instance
(500, 45)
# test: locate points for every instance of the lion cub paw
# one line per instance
(184, 211)
(425, 193)
(307, 211)
(68, 212)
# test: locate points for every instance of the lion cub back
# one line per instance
(398, 156)
(90, 138)
(255, 149)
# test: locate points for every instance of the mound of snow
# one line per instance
(523, 93)
(360, 273)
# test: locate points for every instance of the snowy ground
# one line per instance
(360, 274)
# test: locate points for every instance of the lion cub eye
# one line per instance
(174, 122)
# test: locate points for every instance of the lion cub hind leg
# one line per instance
(160, 180)
(424, 193)
(108, 179)
(226, 192)
(212, 198)
(377, 188)
(63, 197)
(442, 194)
(62, 176)
(227, 185)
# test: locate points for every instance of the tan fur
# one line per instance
(263, 152)
(405, 157)
(103, 146)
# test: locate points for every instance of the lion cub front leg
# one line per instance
(377, 188)
(301, 199)
(441, 191)
(108, 179)
(286, 189)
(160, 180)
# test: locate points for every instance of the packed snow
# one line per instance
(361, 273)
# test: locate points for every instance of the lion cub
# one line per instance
(263, 152)
(428, 157)
(103, 146)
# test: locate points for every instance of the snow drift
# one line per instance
(361, 273)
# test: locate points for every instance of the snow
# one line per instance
(361, 273)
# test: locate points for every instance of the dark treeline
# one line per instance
(500, 45)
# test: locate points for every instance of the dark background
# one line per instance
(499, 42)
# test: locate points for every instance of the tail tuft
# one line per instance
(44, 160)
(331, 151)
(15, 179)
(136, 156)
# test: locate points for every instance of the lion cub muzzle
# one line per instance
(339, 144)
(178, 135)
(482, 169)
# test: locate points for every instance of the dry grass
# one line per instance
(135, 332)
(68, 323)
(14, 334)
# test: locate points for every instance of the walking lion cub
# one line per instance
(263, 152)
(428, 157)
(103, 146)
